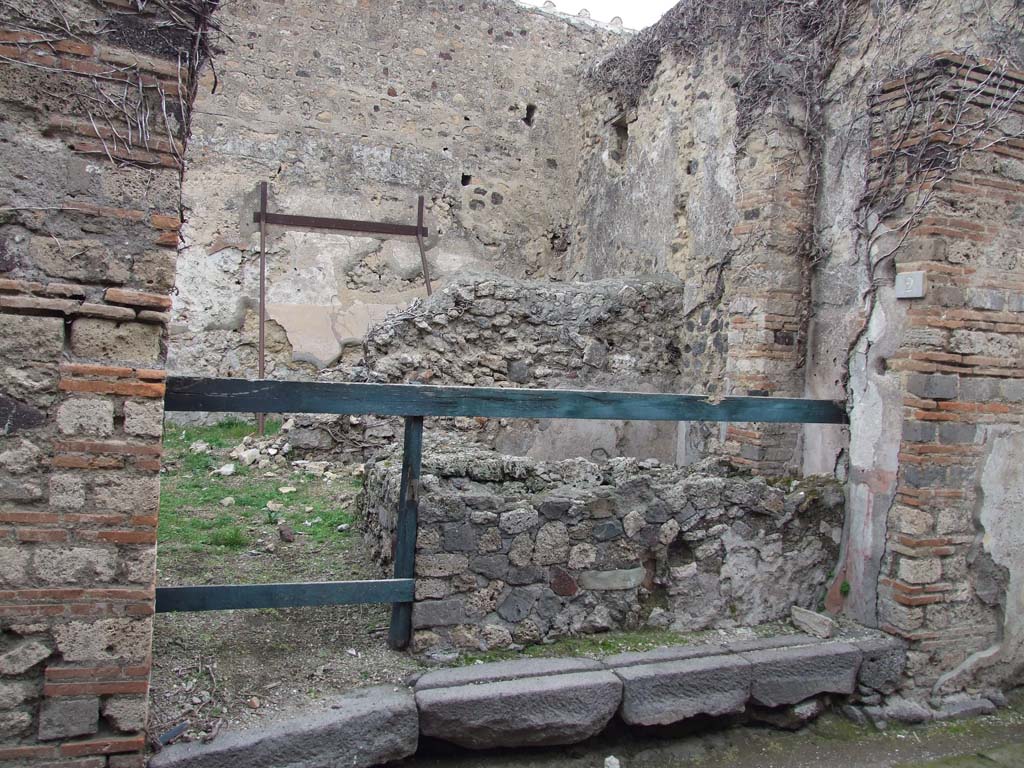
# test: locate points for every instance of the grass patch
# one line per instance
(593, 646)
(193, 519)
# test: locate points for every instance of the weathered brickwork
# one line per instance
(88, 236)
(959, 363)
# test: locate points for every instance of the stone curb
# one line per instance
(556, 701)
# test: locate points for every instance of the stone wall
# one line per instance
(674, 186)
(352, 110)
(791, 232)
(513, 550)
(89, 146)
(625, 335)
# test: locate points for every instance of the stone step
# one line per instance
(529, 711)
(555, 701)
(368, 727)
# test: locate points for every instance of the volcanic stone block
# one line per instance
(883, 663)
(790, 675)
(361, 729)
(629, 578)
(499, 671)
(531, 711)
(660, 694)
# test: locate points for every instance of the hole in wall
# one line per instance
(531, 111)
(619, 139)
(466, 179)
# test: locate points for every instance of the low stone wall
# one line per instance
(511, 550)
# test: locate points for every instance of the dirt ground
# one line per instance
(227, 669)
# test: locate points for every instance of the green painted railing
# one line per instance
(414, 403)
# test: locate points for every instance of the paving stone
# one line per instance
(361, 729)
(503, 670)
(532, 711)
(660, 694)
(790, 675)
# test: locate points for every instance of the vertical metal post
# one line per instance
(261, 417)
(419, 242)
(405, 541)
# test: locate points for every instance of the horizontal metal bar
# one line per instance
(346, 225)
(224, 597)
(262, 396)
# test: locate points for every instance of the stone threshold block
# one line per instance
(788, 675)
(527, 711)
(665, 693)
(362, 729)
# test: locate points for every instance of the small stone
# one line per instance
(612, 762)
(249, 456)
(225, 471)
(199, 446)
(812, 623)
(668, 532)
(286, 489)
(286, 533)
(253, 703)
(23, 657)
(633, 523)
(275, 506)
(343, 527)
(227, 501)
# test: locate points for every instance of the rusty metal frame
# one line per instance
(263, 217)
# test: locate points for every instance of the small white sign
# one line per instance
(910, 285)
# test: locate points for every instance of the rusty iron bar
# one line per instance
(343, 225)
(421, 232)
(263, 217)
(261, 418)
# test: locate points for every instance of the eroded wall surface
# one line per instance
(351, 110)
(90, 140)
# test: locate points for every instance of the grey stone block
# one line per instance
(660, 694)
(438, 613)
(61, 718)
(531, 711)
(361, 729)
(790, 675)
(934, 386)
(630, 578)
(517, 605)
(882, 664)
(503, 670)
